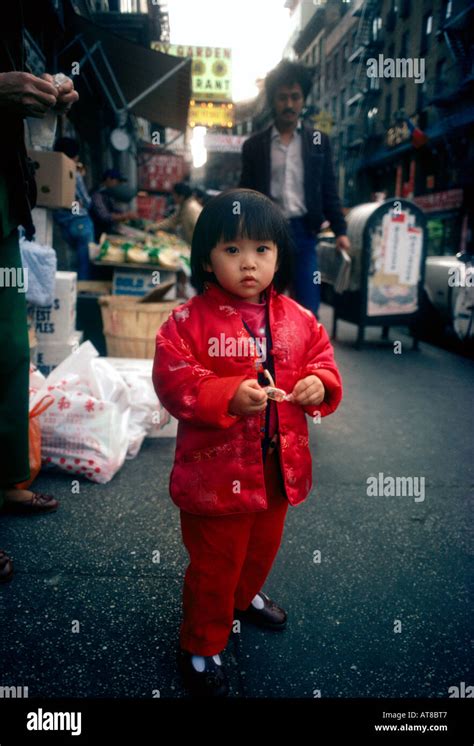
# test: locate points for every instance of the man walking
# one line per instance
(291, 163)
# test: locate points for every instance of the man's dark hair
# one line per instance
(68, 146)
(288, 73)
(182, 189)
(257, 218)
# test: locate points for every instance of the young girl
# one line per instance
(241, 456)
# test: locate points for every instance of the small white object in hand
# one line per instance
(273, 392)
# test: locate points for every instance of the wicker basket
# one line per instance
(130, 327)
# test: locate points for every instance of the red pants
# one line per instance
(230, 559)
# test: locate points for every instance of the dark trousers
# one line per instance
(305, 288)
(14, 369)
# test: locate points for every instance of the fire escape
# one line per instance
(363, 126)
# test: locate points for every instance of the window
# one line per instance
(371, 119)
(401, 97)
(440, 73)
(426, 32)
(404, 45)
(342, 102)
(388, 108)
(376, 26)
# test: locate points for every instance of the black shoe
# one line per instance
(271, 616)
(212, 682)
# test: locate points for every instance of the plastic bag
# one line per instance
(85, 431)
(34, 439)
(147, 416)
(40, 263)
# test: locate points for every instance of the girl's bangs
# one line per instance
(253, 223)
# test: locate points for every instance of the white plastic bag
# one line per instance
(147, 416)
(40, 264)
(85, 431)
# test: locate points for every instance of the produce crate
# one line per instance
(130, 327)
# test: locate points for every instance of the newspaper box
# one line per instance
(388, 257)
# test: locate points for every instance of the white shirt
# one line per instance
(287, 172)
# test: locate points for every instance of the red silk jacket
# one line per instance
(218, 465)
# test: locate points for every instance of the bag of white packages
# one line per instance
(148, 416)
(85, 431)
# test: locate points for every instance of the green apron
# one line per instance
(14, 355)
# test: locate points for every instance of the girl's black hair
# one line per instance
(234, 214)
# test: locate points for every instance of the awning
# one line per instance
(134, 79)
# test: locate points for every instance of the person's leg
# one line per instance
(305, 286)
(216, 547)
(83, 232)
(265, 536)
(14, 372)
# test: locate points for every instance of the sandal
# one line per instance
(6, 567)
(39, 502)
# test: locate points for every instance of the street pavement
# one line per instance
(384, 613)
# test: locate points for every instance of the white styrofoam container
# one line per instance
(49, 354)
(57, 322)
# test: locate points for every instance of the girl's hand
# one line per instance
(249, 398)
(308, 391)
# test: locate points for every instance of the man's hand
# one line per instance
(67, 96)
(308, 391)
(343, 243)
(249, 398)
(27, 95)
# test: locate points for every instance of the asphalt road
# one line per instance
(383, 614)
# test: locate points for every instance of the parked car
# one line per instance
(448, 298)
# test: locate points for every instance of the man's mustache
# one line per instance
(288, 111)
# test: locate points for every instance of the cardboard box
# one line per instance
(57, 322)
(50, 354)
(43, 221)
(55, 179)
(131, 282)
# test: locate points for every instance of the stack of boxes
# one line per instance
(55, 325)
(52, 331)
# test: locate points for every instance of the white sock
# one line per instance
(257, 601)
(199, 662)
